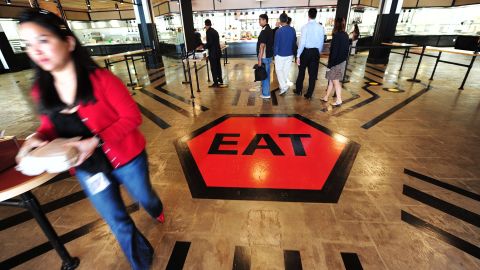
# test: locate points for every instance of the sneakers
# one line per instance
(289, 83)
(337, 104)
(283, 92)
(264, 97)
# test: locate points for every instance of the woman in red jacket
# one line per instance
(77, 98)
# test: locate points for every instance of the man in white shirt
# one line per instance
(308, 54)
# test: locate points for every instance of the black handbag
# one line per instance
(260, 72)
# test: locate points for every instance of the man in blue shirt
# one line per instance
(308, 54)
(283, 49)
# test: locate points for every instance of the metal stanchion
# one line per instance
(31, 203)
(346, 65)
(468, 71)
(183, 65)
(414, 79)
(405, 55)
(192, 96)
(435, 67)
(208, 74)
(196, 75)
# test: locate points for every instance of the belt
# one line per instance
(311, 48)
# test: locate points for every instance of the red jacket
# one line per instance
(115, 118)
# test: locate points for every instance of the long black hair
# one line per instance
(84, 65)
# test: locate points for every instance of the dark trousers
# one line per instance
(310, 58)
(216, 68)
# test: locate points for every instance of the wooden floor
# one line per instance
(411, 200)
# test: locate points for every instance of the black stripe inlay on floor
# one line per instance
(350, 99)
(442, 205)
(58, 178)
(178, 256)
(154, 79)
(47, 208)
(373, 74)
(360, 104)
(292, 260)
(441, 184)
(441, 234)
(241, 258)
(154, 118)
(274, 97)
(251, 99)
(65, 238)
(375, 68)
(180, 98)
(394, 109)
(351, 261)
(167, 103)
(155, 71)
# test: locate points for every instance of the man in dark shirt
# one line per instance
(197, 38)
(265, 52)
(214, 53)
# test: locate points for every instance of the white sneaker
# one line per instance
(283, 92)
(264, 97)
(289, 83)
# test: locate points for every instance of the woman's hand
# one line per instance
(31, 142)
(85, 148)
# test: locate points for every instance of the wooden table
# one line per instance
(13, 184)
(441, 50)
(405, 46)
(110, 59)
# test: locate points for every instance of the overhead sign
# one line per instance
(266, 157)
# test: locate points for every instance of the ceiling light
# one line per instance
(9, 2)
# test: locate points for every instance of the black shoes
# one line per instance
(215, 85)
(307, 97)
(297, 93)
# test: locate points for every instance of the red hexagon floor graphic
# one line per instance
(266, 157)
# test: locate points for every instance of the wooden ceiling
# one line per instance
(96, 5)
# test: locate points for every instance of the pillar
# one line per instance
(387, 18)
(187, 23)
(343, 9)
(148, 32)
(6, 52)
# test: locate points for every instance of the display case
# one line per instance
(240, 28)
(106, 32)
(464, 20)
